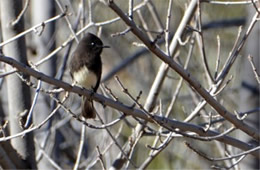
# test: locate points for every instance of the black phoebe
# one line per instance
(86, 68)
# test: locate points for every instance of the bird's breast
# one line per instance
(85, 78)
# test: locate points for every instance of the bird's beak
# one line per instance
(105, 46)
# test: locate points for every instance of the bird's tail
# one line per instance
(88, 111)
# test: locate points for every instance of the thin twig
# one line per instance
(244, 2)
(155, 15)
(201, 44)
(81, 145)
(144, 24)
(255, 6)
(218, 58)
(29, 116)
(52, 162)
(90, 165)
(90, 18)
(222, 159)
(67, 20)
(34, 28)
(168, 28)
(100, 158)
(130, 9)
(257, 77)
(26, 5)
(116, 143)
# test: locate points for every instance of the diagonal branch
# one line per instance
(128, 110)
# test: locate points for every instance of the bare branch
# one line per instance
(257, 77)
(186, 75)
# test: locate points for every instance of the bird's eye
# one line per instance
(92, 44)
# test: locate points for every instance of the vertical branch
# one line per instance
(168, 28)
(20, 16)
(29, 116)
(81, 13)
(130, 9)
(90, 18)
(250, 58)
(81, 144)
(189, 13)
(218, 58)
(201, 44)
(155, 15)
(18, 92)
(144, 23)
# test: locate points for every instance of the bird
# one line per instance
(86, 69)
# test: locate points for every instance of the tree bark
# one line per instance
(18, 92)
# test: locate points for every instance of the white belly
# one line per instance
(85, 78)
